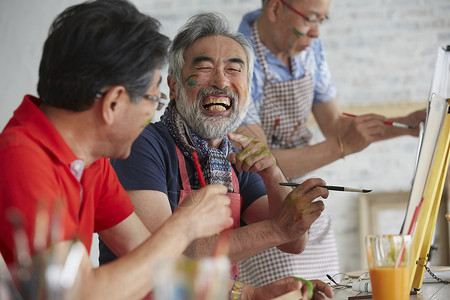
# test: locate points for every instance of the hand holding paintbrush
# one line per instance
(390, 123)
(203, 184)
(331, 188)
(222, 244)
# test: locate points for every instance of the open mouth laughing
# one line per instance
(216, 103)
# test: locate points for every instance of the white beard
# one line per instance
(209, 127)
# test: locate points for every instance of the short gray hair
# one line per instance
(197, 27)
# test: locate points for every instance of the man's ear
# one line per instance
(114, 103)
(273, 10)
(173, 88)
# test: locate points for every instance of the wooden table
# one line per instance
(434, 291)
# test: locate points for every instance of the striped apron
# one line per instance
(286, 107)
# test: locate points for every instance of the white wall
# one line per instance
(379, 52)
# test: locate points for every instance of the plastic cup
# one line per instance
(189, 279)
(388, 258)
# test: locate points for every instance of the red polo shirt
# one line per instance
(39, 178)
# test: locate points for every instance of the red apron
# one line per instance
(235, 197)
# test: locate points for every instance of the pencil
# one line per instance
(390, 123)
(331, 188)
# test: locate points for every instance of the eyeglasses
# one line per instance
(311, 23)
(342, 280)
(161, 99)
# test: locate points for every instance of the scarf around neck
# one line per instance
(214, 162)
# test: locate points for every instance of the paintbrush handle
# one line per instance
(337, 188)
(198, 168)
(289, 184)
(343, 189)
(390, 123)
(400, 125)
(331, 187)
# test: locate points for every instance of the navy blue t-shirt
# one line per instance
(153, 165)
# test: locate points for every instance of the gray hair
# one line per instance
(203, 25)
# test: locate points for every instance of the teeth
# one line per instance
(216, 107)
(222, 100)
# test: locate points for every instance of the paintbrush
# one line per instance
(201, 179)
(7, 286)
(331, 188)
(23, 254)
(24, 270)
(41, 228)
(390, 123)
(72, 265)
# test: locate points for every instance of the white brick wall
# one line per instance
(384, 51)
(379, 52)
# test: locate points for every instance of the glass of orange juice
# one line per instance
(388, 257)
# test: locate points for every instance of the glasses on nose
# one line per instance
(160, 100)
(311, 23)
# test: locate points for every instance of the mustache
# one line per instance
(212, 90)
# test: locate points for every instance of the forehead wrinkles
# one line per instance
(212, 46)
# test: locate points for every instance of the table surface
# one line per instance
(429, 290)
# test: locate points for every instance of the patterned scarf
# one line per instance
(214, 162)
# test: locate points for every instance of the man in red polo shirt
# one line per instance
(99, 86)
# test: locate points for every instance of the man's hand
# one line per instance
(254, 156)
(363, 130)
(207, 210)
(284, 286)
(321, 288)
(271, 290)
(298, 211)
(414, 119)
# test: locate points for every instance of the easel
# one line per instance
(435, 177)
(430, 207)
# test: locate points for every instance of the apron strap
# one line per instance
(235, 181)
(185, 178)
(259, 49)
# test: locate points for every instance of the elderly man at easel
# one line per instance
(292, 80)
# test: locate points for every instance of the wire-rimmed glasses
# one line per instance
(311, 23)
(342, 280)
(161, 100)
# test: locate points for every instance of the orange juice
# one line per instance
(389, 283)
